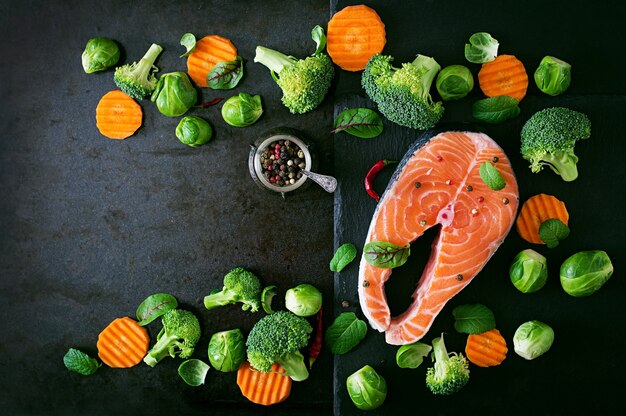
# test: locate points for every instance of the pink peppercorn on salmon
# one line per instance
(438, 182)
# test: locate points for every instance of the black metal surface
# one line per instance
(582, 372)
(91, 226)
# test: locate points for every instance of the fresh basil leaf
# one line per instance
(412, 355)
(188, 41)
(386, 255)
(154, 306)
(193, 371)
(343, 256)
(359, 122)
(482, 48)
(79, 362)
(225, 75)
(495, 110)
(490, 175)
(345, 333)
(552, 231)
(473, 319)
(318, 36)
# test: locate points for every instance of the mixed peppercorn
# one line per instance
(281, 162)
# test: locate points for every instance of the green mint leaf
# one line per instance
(189, 42)
(386, 255)
(345, 333)
(343, 256)
(473, 319)
(154, 306)
(412, 355)
(193, 371)
(79, 362)
(225, 75)
(552, 231)
(495, 110)
(490, 175)
(359, 122)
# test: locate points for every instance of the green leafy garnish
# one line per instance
(345, 333)
(412, 355)
(188, 41)
(495, 110)
(193, 371)
(473, 319)
(318, 36)
(79, 362)
(482, 48)
(266, 298)
(490, 175)
(359, 122)
(225, 75)
(343, 256)
(154, 306)
(552, 231)
(386, 255)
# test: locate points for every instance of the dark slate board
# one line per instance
(580, 374)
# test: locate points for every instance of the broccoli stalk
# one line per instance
(240, 285)
(450, 371)
(137, 79)
(179, 336)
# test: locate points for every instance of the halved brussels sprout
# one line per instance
(100, 54)
(532, 339)
(367, 388)
(242, 110)
(585, 272)
(454, 82)
(174, 94)
(194, 131)
(303, 300)
(529, 271)
(227, 350)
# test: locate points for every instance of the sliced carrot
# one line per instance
(118, 116)
(263, 388)
(535, 211)
(505, 75)
(209, 51)
(123, 343)
(355, 34)
(487, 349)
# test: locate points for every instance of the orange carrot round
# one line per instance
(263, 388)
(209, 51)
(505, 75)
(487, 349)
(535, 211)
(355, 34)
(118, 116)
(123, 343)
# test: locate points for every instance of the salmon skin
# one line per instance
(438, 182)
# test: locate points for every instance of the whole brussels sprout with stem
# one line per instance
(454, 82)
(227, 350)
(100, 54)
(303, 300)
(532, 339)
(174, 94)
(194, 131)
(553, 75)
(529, 271)
(242, 110)
(583, 273)
(367, 389)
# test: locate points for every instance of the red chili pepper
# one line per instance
(371, 175)
(316, 345)
(212, 102)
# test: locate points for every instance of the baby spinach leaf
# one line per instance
(343, 256)
(490, 175)
(188, 41)
(318, 36)
(225, 75)
(473, 319)
(552, 231)
(79, 362)
(482, 48)
(386, 255)
(154, 306)
(412, 355)
(345, 333)
(193, 371)
(495, 110)
(359, 122)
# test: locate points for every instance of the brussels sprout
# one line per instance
(529, 271)
(303, 300)
(227, 350)
(100, 54)
(553, 76)
(367, 388)
(174, 94)
(242, 110)
(532, 339)
(585, 272)
(194, 131)
(454, 82)
(193, 371)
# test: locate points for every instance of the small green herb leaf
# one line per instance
(473, 319)
(193, 371)
(188, 41)
(490, 175)
(495, 110)
(225, 75)
(343, 256)
(266, 298)
(412, 355)
(386, 255)
(359, 122)
(79, 362)
(482, 48)
(154, 306)
(345, 333)
(318, 36)
(552, 231)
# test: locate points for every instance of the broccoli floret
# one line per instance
(549, 137)
(278, 338)
(137, 79)
(240, 285)
(450, 372)
(179, 336)
(304, 82)
(403, 94)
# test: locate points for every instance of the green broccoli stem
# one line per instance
(563, 164)
(275, 61)
(145, 64)
(294, 366)
(441, 356)
(430, 68)
(160, 350)
(215, 300)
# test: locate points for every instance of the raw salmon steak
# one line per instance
(438, 182)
